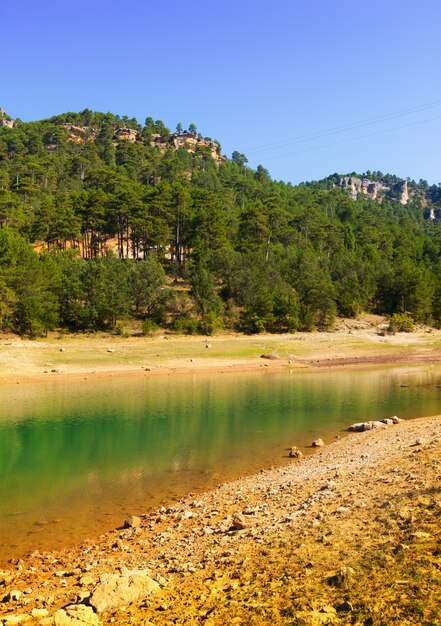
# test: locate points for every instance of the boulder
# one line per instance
(271, 357)
(76, 615)
(318, 443)
(121, 589)
(362, 426)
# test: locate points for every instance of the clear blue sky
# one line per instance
(247, 72)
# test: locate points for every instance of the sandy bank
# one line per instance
(349, 535)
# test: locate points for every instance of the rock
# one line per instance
(6, 577)
(62, 349)
(39, 613)
(377, 424)
(14, 595)
(271, 357)
(86, 580)
(318, 443)
(358, 427)
(11, 620)
(119, 590)
(110, 350)
(295, 453)
(419, 442)
(208, 345)
(76, 615)
(342, 578)
(363, 426)
(132, 522)
(344, 607)
(395, 419)
(238, 522)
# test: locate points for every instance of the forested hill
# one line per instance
(102, 218)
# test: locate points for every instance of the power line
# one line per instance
(335, 143)
(339, 129)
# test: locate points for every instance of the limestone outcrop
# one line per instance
(375, 189)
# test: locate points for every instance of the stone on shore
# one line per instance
(363, 426)
(295, 453)
(238, 522)
(318, 443)
(76, 615)
(121, 589)
(11, 620)
(132, 522)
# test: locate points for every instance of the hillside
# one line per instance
(104, 219)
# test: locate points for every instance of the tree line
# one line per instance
(96, 230)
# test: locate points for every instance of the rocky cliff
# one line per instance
(376, 189)
(5, 120)
(187, 140)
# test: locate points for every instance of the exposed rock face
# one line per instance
(401, 189)
(79, 134)
(6, 122)
(191, 142)
(376, 190)
(368, 187)
(127, 134)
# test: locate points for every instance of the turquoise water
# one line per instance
(77, 458)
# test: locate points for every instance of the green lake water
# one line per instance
(77, 458)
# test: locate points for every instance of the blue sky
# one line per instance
(266, 78)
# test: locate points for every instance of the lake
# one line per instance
(77, 458)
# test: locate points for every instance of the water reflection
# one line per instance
(90, 453)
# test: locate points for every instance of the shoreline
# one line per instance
(363, 503)
(106, 356)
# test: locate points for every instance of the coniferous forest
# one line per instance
(103, 219)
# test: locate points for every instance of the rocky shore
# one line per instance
(348, 535)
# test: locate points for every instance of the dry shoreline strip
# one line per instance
(101, 356)
(349, 535)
